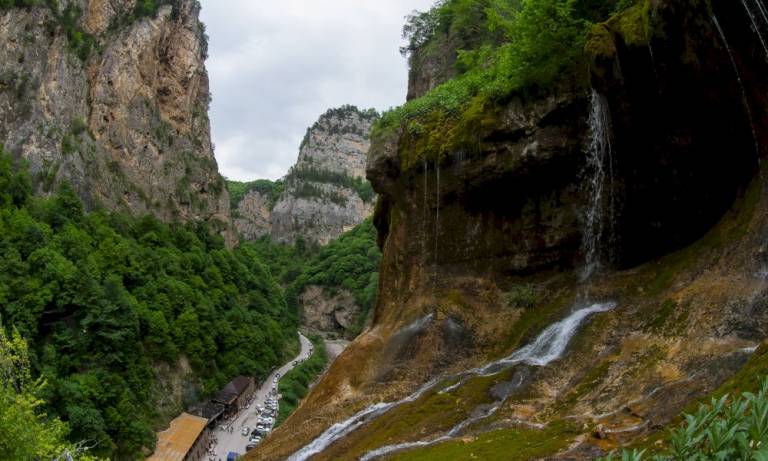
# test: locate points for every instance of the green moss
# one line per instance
(633, 25)
(600, 42)
(662, 315)
(533, 319)
(747, 379)
(521, 296)
(500, 445)
(430, 415)
(590, 380)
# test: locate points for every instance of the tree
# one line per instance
(26, 433)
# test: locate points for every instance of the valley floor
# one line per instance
(236, 442)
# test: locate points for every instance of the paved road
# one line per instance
(235, 441)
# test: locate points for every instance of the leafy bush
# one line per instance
(294, 386)
(726, 429)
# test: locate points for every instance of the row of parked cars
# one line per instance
(265, 423)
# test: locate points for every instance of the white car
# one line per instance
(245, 431)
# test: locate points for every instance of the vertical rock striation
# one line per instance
(113, 99)
(325, 193)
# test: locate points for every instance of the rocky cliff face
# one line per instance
(253, 215)
(325, 192)
(647, 176)
(113, 98)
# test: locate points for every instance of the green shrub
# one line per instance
(729, 428)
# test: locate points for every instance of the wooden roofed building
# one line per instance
(235, 394)
(186, 439)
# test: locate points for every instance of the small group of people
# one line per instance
(212, 448)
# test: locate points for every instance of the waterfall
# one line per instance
(754, 21)
(600, 182)
(343, 428)
(547, 347)
(456, 430)
(552, 342)
(762, 10)
(741, 83)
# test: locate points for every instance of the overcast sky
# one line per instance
(276, 65)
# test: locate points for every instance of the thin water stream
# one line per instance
(546, 348)
(598, 220)
(741, 83)
(755, 25)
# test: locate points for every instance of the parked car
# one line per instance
(245, 430)
(232, 456)
(255, 439)
(250, 446)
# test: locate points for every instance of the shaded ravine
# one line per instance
(547, 347)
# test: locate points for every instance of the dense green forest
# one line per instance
(350, 262)
(102, 298)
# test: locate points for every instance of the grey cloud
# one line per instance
(275, 66)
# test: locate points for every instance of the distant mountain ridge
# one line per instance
(323, 195)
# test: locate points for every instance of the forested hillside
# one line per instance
(105, 299)
(349, 263)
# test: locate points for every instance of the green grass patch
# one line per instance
(500, 445)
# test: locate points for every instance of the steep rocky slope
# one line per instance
(325, 191)
(113, 97)
(638, 192)
(324, 194)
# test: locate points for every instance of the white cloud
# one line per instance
(275, 66)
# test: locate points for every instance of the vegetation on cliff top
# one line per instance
(341, 113)
(300, 177)
(104, 298)
(506, 47)
(270, 189)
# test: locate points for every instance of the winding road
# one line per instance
(235, 441)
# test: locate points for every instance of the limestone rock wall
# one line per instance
(325, 191)
(116, 104)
